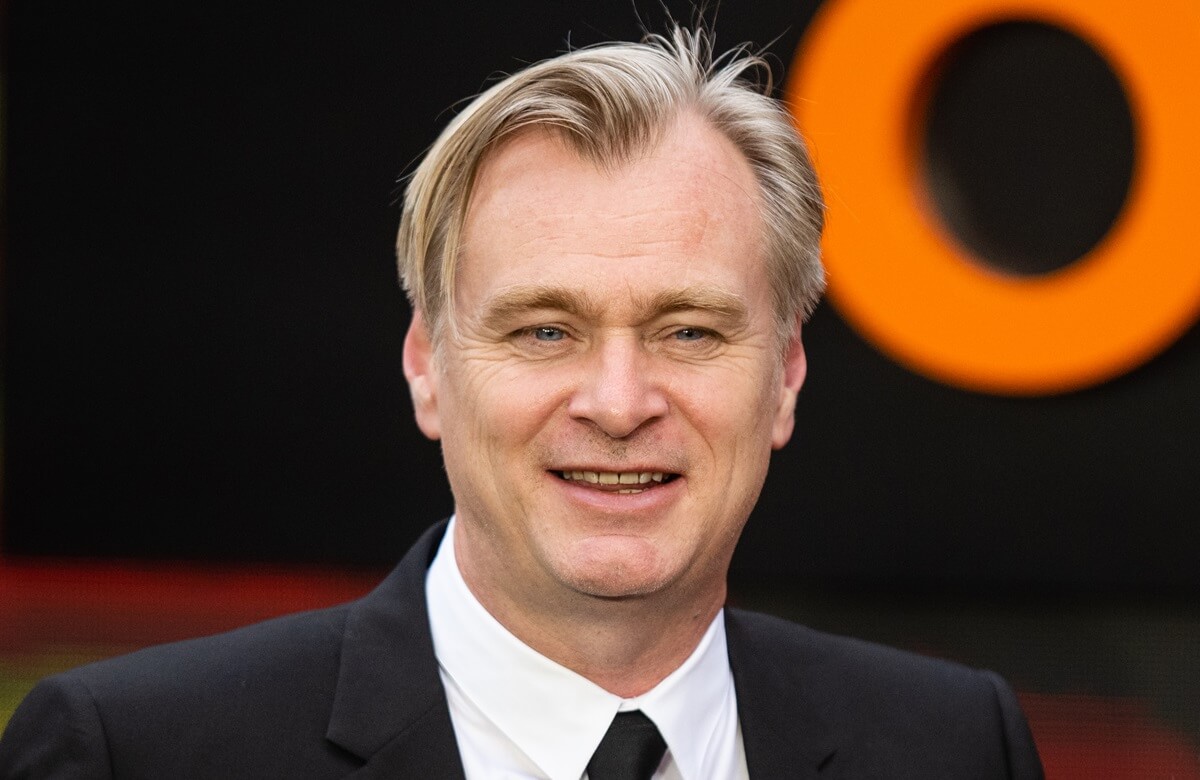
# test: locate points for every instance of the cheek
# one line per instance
(734, 406)
(498, 407)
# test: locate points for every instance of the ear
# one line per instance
(421, 373)
(795, 368)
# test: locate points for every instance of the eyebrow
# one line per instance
(515, 301)
(701, 298)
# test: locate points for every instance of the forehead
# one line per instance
(687, 205)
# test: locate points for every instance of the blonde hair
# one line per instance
(609, 102)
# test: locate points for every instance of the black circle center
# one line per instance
(1028, 149)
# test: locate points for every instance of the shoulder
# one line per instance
(279, 651)
(196, 703)
(261, 701)
(852, 663)
(885, 708)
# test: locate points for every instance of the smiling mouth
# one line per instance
(617, 481)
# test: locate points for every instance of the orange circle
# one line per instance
(898, 277)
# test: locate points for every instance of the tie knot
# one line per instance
(631, 749)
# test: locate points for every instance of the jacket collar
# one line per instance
(389, 708)
(782, 729)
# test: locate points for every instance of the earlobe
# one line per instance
(795, 368)
(421, 374)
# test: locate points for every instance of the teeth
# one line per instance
(615, 477)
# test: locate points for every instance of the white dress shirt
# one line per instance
(517, 714)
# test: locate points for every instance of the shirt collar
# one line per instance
(555, 716)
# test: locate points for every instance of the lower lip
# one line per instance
(649, 500)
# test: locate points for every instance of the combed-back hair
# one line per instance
(609, 102)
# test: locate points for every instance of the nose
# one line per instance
(618, 392)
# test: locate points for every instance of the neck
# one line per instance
(626, 645)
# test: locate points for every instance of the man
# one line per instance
(610, 256)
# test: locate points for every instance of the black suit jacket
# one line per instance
(354, 692)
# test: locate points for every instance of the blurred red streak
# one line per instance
(1117, 738)
(105, 607)
(132, 604)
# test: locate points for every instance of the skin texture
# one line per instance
(611, 320)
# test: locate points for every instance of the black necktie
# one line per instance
(631, 749)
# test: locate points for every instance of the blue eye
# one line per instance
(690, 334)
(546, 333)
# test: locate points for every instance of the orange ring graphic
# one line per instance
(902, 281)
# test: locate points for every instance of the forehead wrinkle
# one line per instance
(618, 233)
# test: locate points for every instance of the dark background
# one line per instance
(205, 420)
(202, 328)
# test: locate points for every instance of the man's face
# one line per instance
(613, 383)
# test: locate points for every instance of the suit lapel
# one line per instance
(391, 711)
(390, 708)
(782, 730)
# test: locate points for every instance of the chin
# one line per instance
(617, 567)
